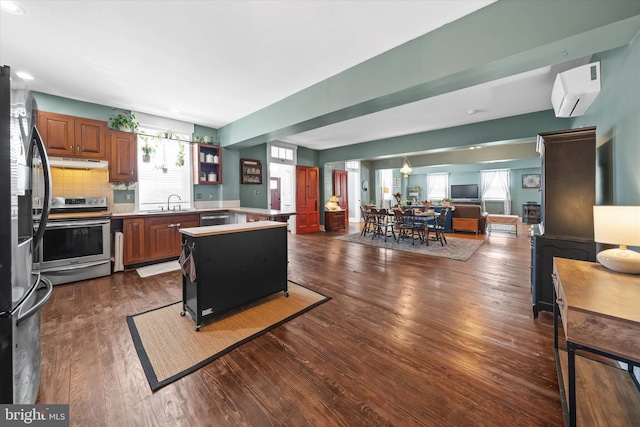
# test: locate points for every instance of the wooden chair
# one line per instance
(439, 224)
(409, 225)
(369, 221)
(383, 224)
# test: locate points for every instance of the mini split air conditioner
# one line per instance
(574, 90)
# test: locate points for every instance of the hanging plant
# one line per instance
(180, 158)
(125, 122)
(147, 149)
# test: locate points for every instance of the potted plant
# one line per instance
(125, 122)
(147, 150)
(180, 158)
(447, 202)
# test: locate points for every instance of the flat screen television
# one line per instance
(467, 191)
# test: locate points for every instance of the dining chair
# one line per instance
(439, 224)
(384, 224)
(411, 225)
(369, 221)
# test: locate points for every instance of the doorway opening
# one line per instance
(282, 189)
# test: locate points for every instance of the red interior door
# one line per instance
(274, 188)
(341, 191)
(307, 189)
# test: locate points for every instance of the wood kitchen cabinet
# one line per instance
(134, 241)
(123, 148)
(207, 164)
(163, 238)
(70, 136)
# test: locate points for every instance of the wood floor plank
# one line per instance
(406, 339)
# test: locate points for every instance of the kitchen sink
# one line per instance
(164, 211)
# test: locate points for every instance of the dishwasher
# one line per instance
(216, 218)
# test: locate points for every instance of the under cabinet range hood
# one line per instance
(71, 163)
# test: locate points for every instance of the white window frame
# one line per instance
(437, 186)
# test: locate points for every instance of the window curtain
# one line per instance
(496, 186)
(437, 185)
(487, 178)
(503, 180)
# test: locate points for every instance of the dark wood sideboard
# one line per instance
(566, 208)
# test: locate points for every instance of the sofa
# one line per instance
(469, 218)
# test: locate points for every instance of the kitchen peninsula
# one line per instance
(152, 236)
(232, 265)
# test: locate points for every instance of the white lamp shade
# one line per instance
(617, 225)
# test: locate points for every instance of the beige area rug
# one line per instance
(169, 346)
(456, 247)
(163, 267)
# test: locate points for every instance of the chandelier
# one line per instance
(406, 168)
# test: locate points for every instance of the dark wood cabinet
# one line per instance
(163, 238)
(154, 237)
(334, 220)
(566, 209)
(568, 183)
(543, 250)
(134, 241)
(123, 148)
(70, 136)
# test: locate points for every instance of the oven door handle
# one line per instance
(75, 224)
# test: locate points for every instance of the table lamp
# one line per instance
(618, 225)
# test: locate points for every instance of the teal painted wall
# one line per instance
(616, 115)
(485, 49)
(254, 195)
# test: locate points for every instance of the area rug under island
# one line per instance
(169, 347)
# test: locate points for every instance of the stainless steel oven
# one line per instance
(77, 240)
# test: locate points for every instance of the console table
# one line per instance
(600, 313)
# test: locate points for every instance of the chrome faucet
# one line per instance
(169, 198)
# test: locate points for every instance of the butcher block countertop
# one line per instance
(213, 230)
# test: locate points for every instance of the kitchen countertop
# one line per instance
(230, 228)
(253, 211)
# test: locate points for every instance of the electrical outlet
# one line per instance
(128, 197)
(198, 196)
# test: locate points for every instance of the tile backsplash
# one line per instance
(80, 182)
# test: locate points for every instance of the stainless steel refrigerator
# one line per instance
(25, 192)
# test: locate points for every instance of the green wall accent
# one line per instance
(72, 107)
(616, 114)
(531, 34)
(254, 195)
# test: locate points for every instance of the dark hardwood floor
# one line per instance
(406, 340)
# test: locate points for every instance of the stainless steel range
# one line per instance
(77, 242)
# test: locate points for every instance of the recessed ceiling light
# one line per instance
(25, 76)
(472, 148)
(175, 110)
(471, 112)
(11, 7)
(478, 146)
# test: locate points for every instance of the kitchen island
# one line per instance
(234, 264)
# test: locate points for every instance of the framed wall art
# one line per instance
(531, 180)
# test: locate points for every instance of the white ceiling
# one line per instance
(218, 61)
